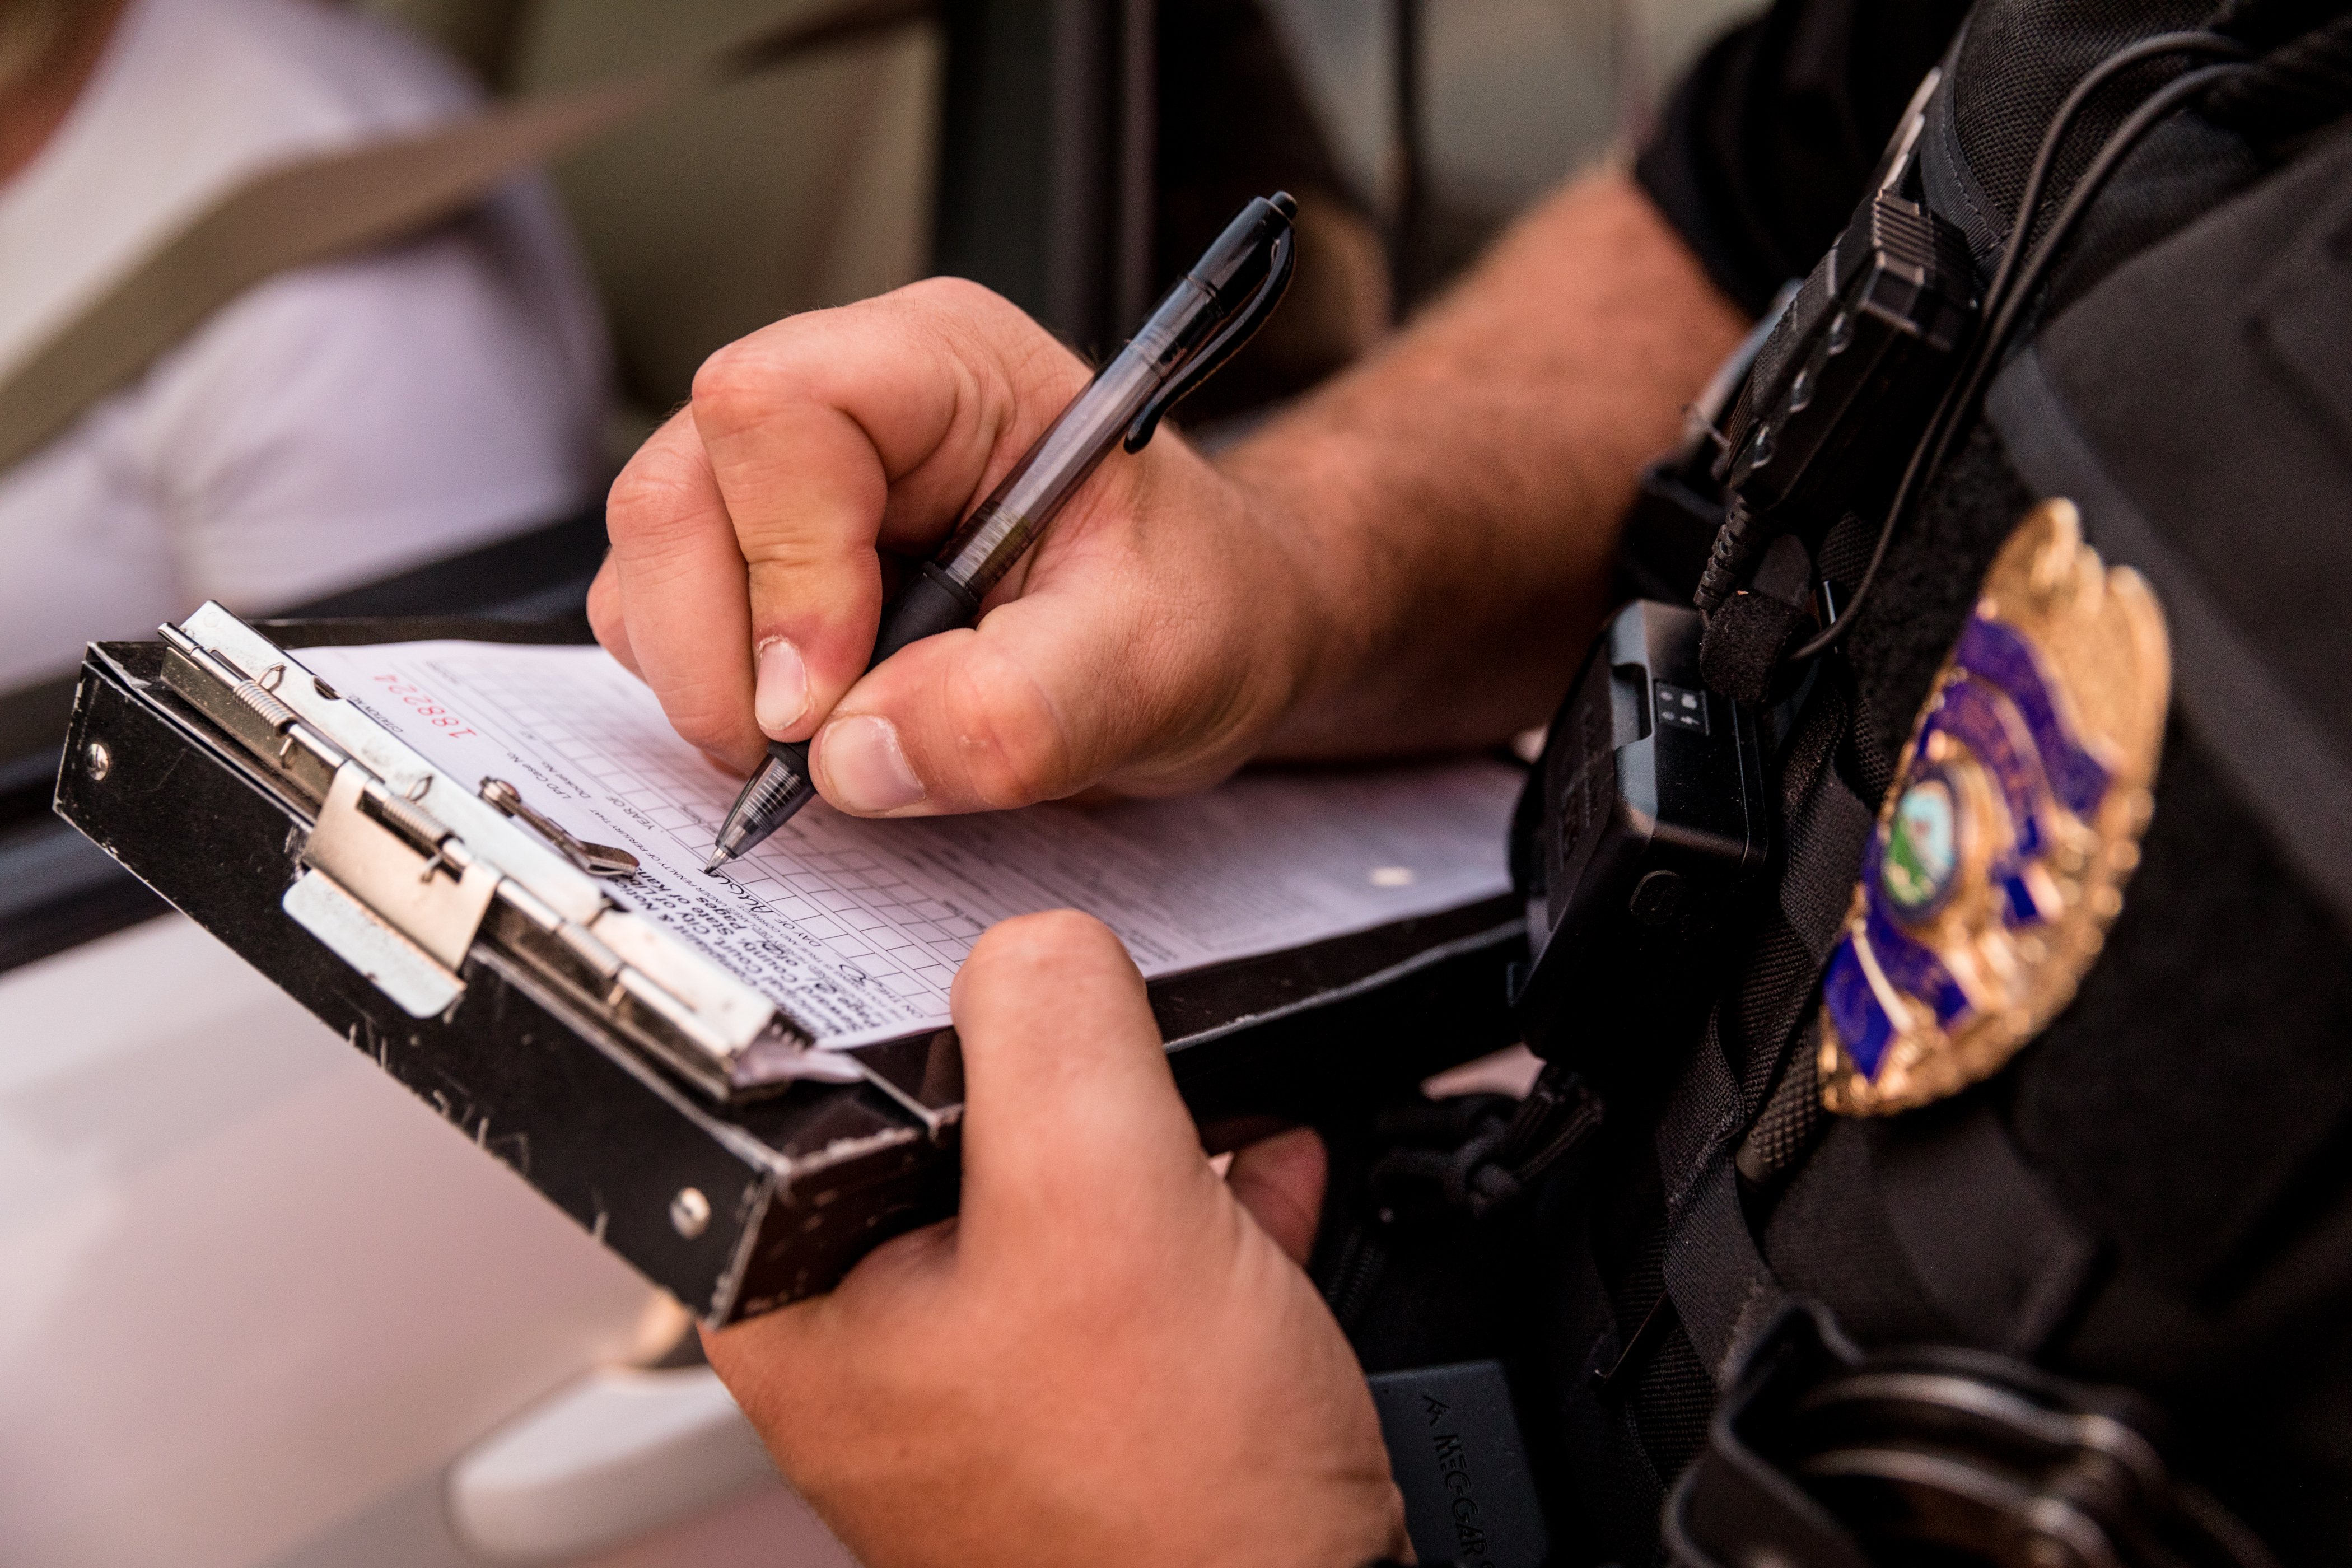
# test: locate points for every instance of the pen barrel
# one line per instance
(1003, 527)
(931, 603)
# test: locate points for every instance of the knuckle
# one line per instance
(957, 296)
(649, 498)
(1010, 742)
(816, 552)
(703, 717)
(741, 373)
(990, 330)
(703, 732)
(754, 382)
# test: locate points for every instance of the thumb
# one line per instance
(1035, 704)
(1072, 1122)
(1121, 660)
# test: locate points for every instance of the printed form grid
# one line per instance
(864, 913)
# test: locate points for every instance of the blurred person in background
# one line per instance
(337, 423)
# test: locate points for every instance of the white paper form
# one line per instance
(856, 928)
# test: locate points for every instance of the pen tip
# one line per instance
(717, 857)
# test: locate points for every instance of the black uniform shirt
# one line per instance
(1761, 153)
(2185, 1127)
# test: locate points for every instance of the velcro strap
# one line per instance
(1826, 837)
(1824, 824)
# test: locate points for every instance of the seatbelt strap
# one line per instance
(356, 199)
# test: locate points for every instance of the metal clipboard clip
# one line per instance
(409, 876)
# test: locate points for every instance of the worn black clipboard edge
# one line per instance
(800, 1185)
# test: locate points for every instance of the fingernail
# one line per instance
(781, 695)
(863, 764)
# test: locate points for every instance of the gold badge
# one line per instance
(2014, 821)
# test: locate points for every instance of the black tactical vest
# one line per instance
(2158, 1192)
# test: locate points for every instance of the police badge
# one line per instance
(2014, 820)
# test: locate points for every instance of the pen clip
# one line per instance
(1221, 348)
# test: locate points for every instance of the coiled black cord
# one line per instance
(1728, 562)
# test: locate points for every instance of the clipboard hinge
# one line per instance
(397, 890)
(250, 708)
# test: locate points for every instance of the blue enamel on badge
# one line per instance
(2014, 821)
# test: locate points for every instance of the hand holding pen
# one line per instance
(754, 516)
(1212, 311)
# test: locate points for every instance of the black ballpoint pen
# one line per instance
(1209, 313)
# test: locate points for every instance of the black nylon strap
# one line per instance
(1824, 824)
(1724, 1291)
(1825, 840)
(1984, 1237)
(1782, 1134)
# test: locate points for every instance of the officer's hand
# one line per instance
(1148, 642)
(1106, 1359)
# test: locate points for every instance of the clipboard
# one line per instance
(600, 1057)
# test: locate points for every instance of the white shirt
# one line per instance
(333, 425)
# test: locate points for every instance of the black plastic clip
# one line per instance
(1233, 333)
